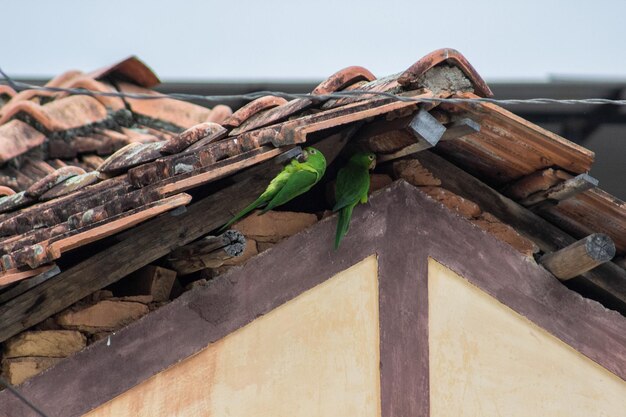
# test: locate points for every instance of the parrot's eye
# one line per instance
(312, 151)
(371, 157)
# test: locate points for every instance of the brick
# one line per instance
(492, 225)
(18, 370)
(250, 251)
(151, 280)
(414, 173)
(45, 343)
(106, 315)
(378, 181)
(464, 207)
(274, 225)
(143, 299)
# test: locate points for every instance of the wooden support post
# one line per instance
(608, 279)
(580, 256)
(561, 191)
(209, 252)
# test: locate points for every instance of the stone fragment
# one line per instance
(48, 343)
(18, 370)
(105, 315)
(274, 225)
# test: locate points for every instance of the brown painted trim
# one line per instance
(404, 227)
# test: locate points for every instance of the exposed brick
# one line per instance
(414, 173)
(491, 224)
(106, 315)
(378, 181)
(274, 225)
(48, 343)
(18, 370)
(465, 208)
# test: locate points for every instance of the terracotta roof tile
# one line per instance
(411, 78)
(178, 114)
(51, 180)
(169, 146)
(342, 79)
(129, 69)
(252, 108)
(17, 138)
(60, 115)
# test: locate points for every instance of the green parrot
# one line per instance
(353, 183)
(296, 178)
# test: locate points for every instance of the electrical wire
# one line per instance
(20, 86)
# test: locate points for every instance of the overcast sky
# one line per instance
(291, 40)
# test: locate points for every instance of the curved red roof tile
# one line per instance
(252, 108)
(342, 79)
(129, 69)
(449, 56)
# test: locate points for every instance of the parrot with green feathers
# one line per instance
(295, 178)
(352, 186)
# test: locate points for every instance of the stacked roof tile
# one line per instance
(76, 169)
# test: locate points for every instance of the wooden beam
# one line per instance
(579, 257)
(23, 286)
(155, 238)
(561, 191)
(459, 128)
(209, 252)
(454, 130)
(608, 277)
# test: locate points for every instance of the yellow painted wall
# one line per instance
(317, 355)
(486, 360)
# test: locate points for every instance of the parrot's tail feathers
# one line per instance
(256, 203)
(343, 224)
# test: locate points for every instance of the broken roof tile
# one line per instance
(17, 138)
(129, 69)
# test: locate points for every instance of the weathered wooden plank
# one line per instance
(18, 274)
(561, 191)
(23, 286)
(156, 238)
(579, 257)
(537, 181)
(454, 130)
(608, 277)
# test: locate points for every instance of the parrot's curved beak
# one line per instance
(373, 164)
(303, 156)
